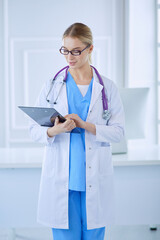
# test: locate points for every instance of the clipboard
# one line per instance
(45, 116)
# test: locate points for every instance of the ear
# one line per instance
(90, 49)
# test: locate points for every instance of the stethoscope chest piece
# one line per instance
(106, 115)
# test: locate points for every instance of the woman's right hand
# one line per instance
(58, 127)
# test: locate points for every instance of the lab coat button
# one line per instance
(90, 148)
(89, 166)
(90, 186)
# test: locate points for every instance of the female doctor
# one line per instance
(76, 188)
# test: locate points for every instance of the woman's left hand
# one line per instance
(78, 121)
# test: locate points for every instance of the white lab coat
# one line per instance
(53, 192)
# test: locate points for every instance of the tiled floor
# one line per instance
(112, 233)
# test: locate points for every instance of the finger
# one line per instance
(71, 124)
(69, 121)
(70, 128)
(69, 116)
(74, 116)
(66, 117)
(56, 120)
(66, 123)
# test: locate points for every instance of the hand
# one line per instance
(78, 121)
(58, 127)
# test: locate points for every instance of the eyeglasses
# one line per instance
(65, 51)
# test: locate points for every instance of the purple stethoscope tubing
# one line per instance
(106, 113)
(104, 99)
(60, 72)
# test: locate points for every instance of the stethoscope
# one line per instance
(106, 113)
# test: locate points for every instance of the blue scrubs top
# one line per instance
(77, 159)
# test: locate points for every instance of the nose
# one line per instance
(70, 56)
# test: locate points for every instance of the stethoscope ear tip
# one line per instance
(49, 101)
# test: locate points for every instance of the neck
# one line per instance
(83, 75)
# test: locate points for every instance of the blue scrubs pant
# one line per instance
(77, 221)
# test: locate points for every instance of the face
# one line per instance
(75, 44)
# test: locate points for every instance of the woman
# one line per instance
(76, 189)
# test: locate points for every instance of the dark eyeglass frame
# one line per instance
(78, 51)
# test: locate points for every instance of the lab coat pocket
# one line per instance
(49, 162)
(105, 160)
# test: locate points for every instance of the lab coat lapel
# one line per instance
(96, 90)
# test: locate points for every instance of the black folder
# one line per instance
(45, 116)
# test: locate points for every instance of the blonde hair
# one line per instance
(80, 31)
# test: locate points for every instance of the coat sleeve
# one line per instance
(37, 132)
(114, 130)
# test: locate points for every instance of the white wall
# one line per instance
(2, 95)
(32, 33)
(141, 60)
